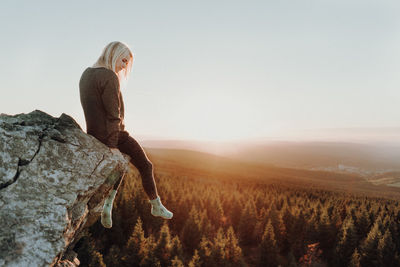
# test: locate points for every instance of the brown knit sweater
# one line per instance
(102, 104)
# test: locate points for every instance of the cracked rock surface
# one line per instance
(53, 181)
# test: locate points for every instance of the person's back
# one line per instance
(100, 94)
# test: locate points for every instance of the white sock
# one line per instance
(106, 217)
(158, 209)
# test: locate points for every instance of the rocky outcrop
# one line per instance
(53, 181)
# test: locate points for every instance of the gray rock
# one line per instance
(53, 181)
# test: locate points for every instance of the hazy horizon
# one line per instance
(363, 158)
(384, 135)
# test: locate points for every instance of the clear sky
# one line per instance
(212, 69)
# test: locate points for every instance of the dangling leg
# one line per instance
(106, 214)
(130, 146)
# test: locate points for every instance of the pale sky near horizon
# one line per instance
(216, 70)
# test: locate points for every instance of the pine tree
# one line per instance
(369, 257)
(388, 255)
(273, 215)
(216, 213)
(192, 231)
(236, 211)
(312, 229)
(326, 235)
(128, 213)
(347, 243)
(176, 247)
(268, 247)
(281, 235)
(176, 262)
(136, 246)
(289, 221)
(362, 225)
(260, 224)
(343, 211)
(96, 260)
(206, 252)
(195, 262)
(218, 248)
(233, 250)
(90, 256)
(258, 230)
(149, 259)
(355, 259)
(247, 223)
(297, 235)
(163, 248)
(113, 257)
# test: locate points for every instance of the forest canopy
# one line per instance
(230, 221)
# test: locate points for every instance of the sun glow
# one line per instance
(216, 118)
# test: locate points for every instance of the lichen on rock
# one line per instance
(53, 181)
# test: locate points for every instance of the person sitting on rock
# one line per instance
(103, 107)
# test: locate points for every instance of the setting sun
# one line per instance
(216, 117)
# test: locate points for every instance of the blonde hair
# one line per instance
(110, 55)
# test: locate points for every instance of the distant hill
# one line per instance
(305, 155)
(202, 165)
(322, 154)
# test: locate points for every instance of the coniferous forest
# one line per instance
(229, 221)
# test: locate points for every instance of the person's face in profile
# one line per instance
(122, 63)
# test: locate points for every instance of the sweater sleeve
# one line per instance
(112, 106)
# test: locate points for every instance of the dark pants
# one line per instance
(129, 146)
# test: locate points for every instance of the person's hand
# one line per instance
(115, 151)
